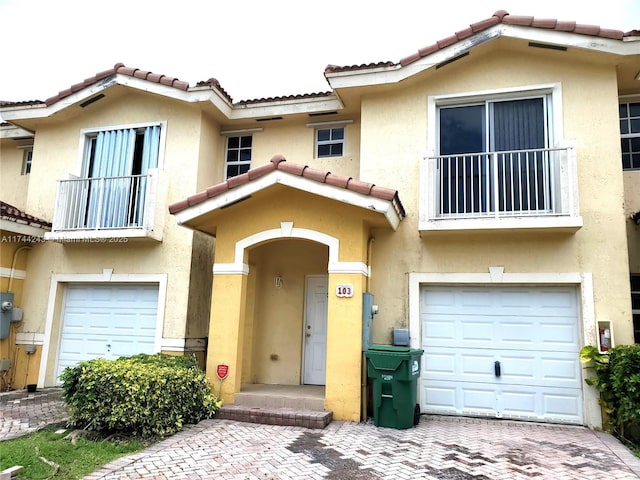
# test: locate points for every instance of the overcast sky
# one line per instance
(254, 48)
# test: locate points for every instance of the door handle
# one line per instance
(497, 368)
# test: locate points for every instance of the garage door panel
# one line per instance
(532, 368)
(468, 332)
(532, 331)
(439, 364)
(107, 321)
(515, 402)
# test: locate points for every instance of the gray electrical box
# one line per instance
(367, 320)
(6, 313)
(401, 337)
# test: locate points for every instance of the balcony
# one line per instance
(107, 209)
(518, 189)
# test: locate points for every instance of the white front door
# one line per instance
(510, 352)
(315, 330)
(107, 321)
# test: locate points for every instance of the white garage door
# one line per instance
(506, 352)
(107, 321)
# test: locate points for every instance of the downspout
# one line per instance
(369, 249)
(13, 265)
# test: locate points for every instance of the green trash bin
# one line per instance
(394, 372)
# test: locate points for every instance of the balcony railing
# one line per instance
(106, 203)
(539, 183)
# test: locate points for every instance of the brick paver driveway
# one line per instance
(438, 448)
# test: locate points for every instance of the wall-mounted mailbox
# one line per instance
(605, 336)
(6, 313)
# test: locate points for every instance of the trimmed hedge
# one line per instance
(143, 395)
(617, 378)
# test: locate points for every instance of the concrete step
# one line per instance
(293, 400)
(276, 416)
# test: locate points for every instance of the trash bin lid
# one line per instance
(390, 348)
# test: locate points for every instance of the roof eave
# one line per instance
(391, 210)
(28, 231)
(199, 94)
(420, 62)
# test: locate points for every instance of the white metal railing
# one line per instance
(103, 203)
(498, 184)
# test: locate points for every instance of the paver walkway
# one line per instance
(22, 412)
(449, 448)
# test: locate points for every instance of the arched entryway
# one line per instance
(287, 237)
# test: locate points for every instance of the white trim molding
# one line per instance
(287, 230)
(58, 281)
(29, 338)
(12, 273)
(186, 345)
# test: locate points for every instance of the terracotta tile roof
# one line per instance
(501, 16)
(119, 69)
(278, 162)
(9, 212)
(285, 98)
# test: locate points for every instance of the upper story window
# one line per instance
(120, 153)
(238, 157)
(329, 142)
(117, 185)
(27, 158)
(496, 157)
(630, 135)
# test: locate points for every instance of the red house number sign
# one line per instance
(222, 371)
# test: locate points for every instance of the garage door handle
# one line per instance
(497, 368)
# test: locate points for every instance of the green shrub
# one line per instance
(617, 378)
(144, 395)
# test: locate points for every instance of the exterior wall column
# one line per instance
(226, 331)
(344, 348)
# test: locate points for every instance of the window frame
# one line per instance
(330, 142)
(87, 134)
(553, 108)
(320, 126)
(27, 159)
(566, 217)
(239, 163)
(629, 135)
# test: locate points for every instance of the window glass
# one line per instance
(238, 155)
(330, 142)
(462, 130)
(26, 161)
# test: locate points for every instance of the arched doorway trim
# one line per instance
(287, 230)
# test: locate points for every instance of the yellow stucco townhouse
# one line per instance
(478, 194)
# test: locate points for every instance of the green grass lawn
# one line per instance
(75, 461)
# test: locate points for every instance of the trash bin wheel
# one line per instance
(416, 415)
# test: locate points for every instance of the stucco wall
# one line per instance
(13, 184)
(589, 116)
(297, 144)
(58, 150)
